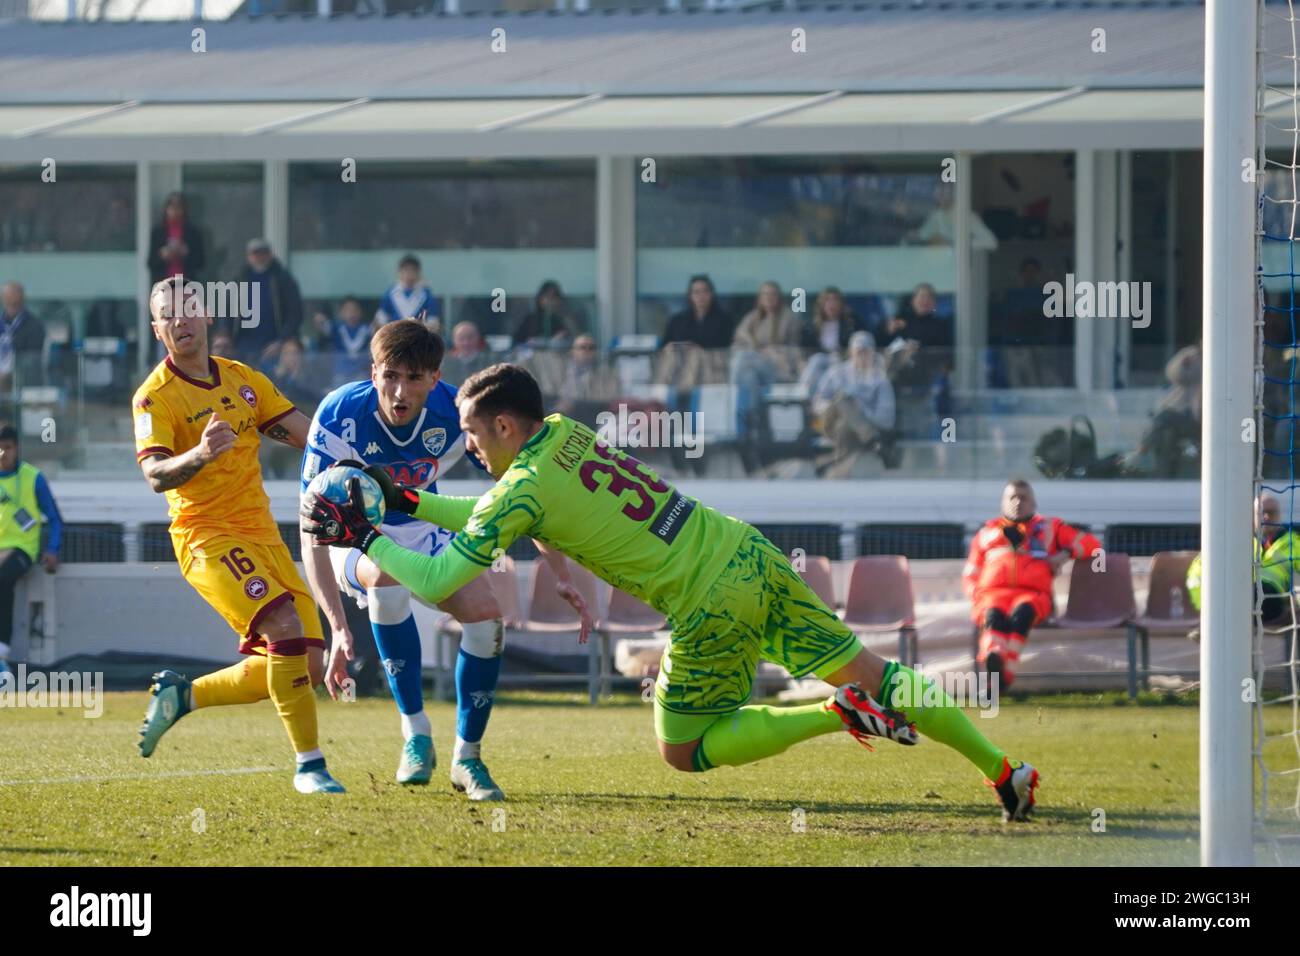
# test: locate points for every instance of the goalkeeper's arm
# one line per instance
(443, 510)
(433, 580)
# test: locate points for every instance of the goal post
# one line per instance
(1228, 452)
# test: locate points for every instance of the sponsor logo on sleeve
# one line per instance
(144, 425)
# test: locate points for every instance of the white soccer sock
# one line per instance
(413, 724)
(466, 750)
(309, 755)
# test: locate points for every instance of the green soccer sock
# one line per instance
(759, 731)
(903, 689)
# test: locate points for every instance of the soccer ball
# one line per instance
(332, 485)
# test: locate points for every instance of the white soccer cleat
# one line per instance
(864, 718)
(471, 777)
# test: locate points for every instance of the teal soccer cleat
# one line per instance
(170, 702)
(471, 777)
(418, 760)
(312, 777)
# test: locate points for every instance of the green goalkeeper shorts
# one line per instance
(759, 608)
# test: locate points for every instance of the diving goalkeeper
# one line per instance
(731, 597)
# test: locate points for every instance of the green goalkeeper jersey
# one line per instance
(601, 507)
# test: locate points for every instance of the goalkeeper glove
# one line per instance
(341, 526)
(396, 497)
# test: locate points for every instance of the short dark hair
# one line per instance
(408, 343)
(408, 260)
(8, 433)
(503, 389)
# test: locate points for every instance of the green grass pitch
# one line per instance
(586, 786)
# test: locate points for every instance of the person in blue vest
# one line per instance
(25, 504)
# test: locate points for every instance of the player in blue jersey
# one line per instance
(404, 419)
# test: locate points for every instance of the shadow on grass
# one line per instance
(57, 850)
(1182, 825)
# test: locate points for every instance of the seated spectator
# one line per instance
(320, 337)
(25, 505)
(293, 378)
(1277, 553)
(855, 403)
(22, 339)
(1008, 575)
(551, 322)
(939, 228)
(695, 342)
(1034, 349)
(175, 244)
(1170, 447)
(913, 328)
(350, 339)
(297, 382)
(279, 303)
(408, 296)
(828, 336)
(222, 344)
(589, 386)
(765, 349)
(469, 354)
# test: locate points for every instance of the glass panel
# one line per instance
(487, 205)
(86, 209)
(225, 202)
(1024, 239)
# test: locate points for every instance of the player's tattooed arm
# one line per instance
(291, 430)
(166, 472)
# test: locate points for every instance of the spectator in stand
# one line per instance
(292, 376)
(469, 354)
(765, 349)
(320, 337)
(695, 342)
(279, 302)
(22, 339)
(551, 322)
(1033, 348)
(1008, 575)
(25, 504)
(589, 386)
(703, 323)
(855, 403)
(350, 334)
(913, 339)
(300, 384)
(1170, 447)
(828, 336)
(222, 344)
(175, 244)
(409, 296)
(939, 228)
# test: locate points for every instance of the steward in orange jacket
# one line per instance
(1008, 575)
